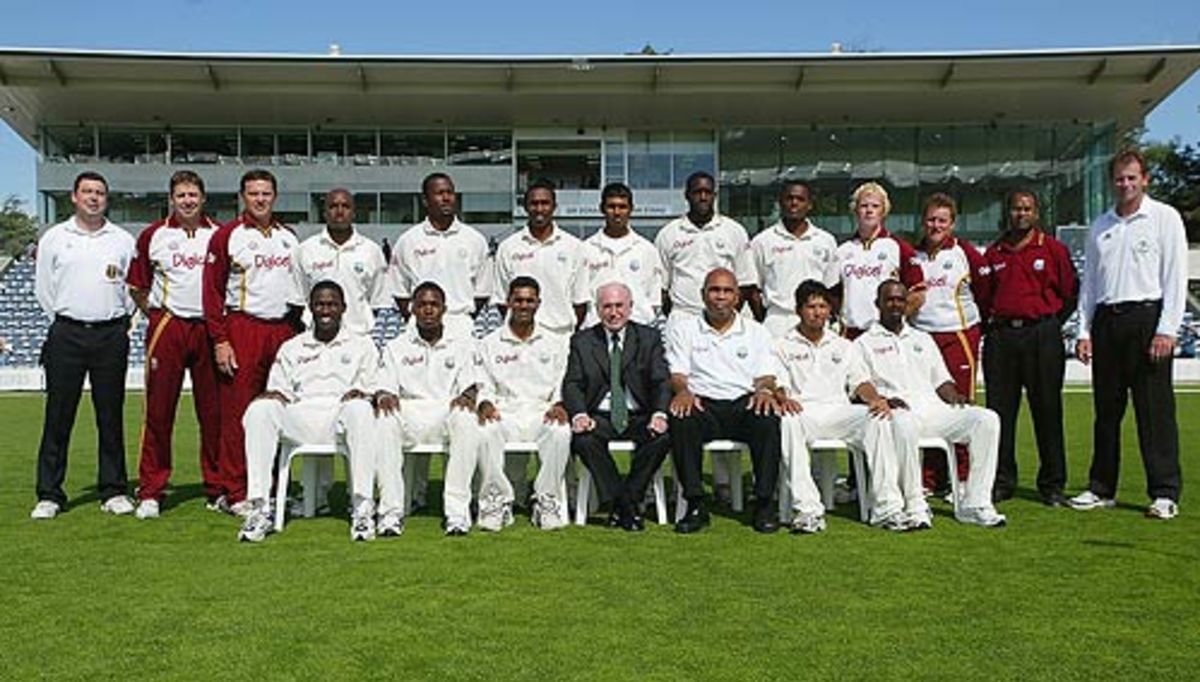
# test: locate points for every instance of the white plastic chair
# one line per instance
(732, 451)
(287, 453)
(583, 491)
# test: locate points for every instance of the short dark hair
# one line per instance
(524, 282)
(1022, 192)
(699, 175)
(89, 175)
(540, 183)
(429, 179)
(185, 177)
(887, 283)
(258, 174)
(616, 189)
(788, 183)
(327, 285)
(810, 288)
(429, 285)
(1127, 156)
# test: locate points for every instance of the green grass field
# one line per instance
(1057, 595)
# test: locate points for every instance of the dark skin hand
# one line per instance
(949, 393)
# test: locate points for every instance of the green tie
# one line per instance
(620, 409)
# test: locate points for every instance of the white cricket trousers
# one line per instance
(979, 428)
(522, 420)
(319, 422)
(424, 422)
(850, 423)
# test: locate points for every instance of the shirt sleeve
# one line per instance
(43, 272)
(1172, 272)
(679, 358)
(215, 281)
(581, 282)
(141, 271)
(483, 270)
(300, 280)
(758, 260)
(379, 294)
(469, 371)
(909, 272)
(657, 278)
(385, 378)
(981, 289)
(664, 258)
(857, 372)
(743, 262)
(832, 273)
(280, 378)
(500, 276)
(1087, 286)
(766, 362)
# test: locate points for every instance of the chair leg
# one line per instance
(826, 461)
(583, 497)
(735, 481)
(310, 475)
(281, 487)
(785, 501)
(410, 476)
(952, 472)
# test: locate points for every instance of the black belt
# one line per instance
(124, 319)
(1128, 306)
(1018, 322)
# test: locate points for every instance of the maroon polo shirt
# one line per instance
(1031, 279)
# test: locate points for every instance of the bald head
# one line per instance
(721, 297)
(339, 209)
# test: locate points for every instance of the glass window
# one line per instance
(404, 208)
(649, 157)
(614, 160)
(133, 146)
(258, 148)
(487, 207)
(204, 146)
(70, 143)
(480, 148)
(691, 152)
(222, 207)
(362, 147)
(133, 210)
(412, 148)
(292, 146)
(569, 164)
(328, 147)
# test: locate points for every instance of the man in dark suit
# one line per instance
(617, 387)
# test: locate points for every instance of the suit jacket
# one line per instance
(644, 370)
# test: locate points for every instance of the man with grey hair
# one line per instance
(617, 386)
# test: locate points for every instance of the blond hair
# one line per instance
(871, 188)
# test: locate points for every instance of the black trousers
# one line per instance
(1031, 358)
(649, 452)
(101, 352)
(1121, 365)
(726, 419)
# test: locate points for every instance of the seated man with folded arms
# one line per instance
(818, 370)
(523, 366)
(723, 377)
(908, 369)
(617, 387)
(425, 393)
(317, 389)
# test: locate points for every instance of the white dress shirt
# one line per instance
(782, 261)
(456, 259)
(823, 373)
(907, 365)
(558, 264)
(529, 370)
(414, 369)
(81, 273)
(1140, 257)
(357, 265)
(309, 369)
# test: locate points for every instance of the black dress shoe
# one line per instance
(1054, 499)
(765, 519)
(999, 496)
(614, 520)
(632, 521)
(695, 519)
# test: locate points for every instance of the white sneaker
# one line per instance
(920, 520)
(391, 525)
(258, 525)
(1088, 500)
(896, 523)
(457, 527)
(1163, 508)
(981, 516)
(147, 509)
(44, 510)
(808, 524)
(243, 509)
(117, 505)
(362, 528)
(546, 513)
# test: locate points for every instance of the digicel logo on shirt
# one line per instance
(518, 257)
(505, 359)
(935, 282)
(855, 271)
(187, 261)
(272, 262)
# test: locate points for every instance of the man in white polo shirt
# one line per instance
(618, 254)
(819, 371)
(1131, 304)
(519, 400)
(165, 282)
(80, 282)
(425, 393)
(446, 251)
(319, 388)
(553, 257)
(723, 377)
(786, 254)
(907, 368)
(695, 244)
(342, 254)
